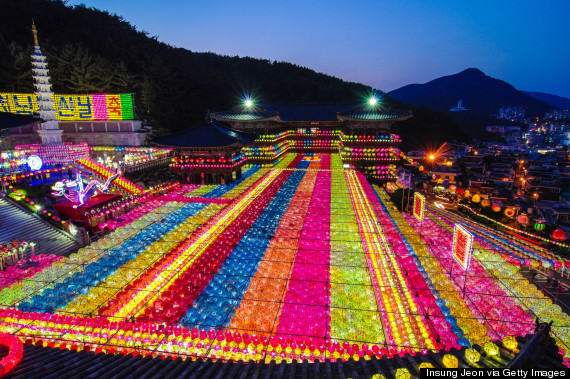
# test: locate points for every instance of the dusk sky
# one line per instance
(385, 44)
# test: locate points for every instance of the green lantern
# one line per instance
(539, 226)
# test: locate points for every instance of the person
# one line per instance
(555, 284)
(549, 277)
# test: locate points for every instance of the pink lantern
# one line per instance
(522, 219)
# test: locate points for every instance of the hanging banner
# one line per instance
(419, 206)
(99, 106)
(462, 246)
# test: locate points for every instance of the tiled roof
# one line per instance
(244, 115)
(372, 114)
(538, 350)
(206, 134)
(309, 112)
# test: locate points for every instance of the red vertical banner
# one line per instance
(462, 246)
(419, 206)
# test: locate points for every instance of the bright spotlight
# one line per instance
(432, 157)
(248, 103)
(373, 100)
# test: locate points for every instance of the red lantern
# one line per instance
(522, 219)
(559, 235)
(15, 352)
(496, 208)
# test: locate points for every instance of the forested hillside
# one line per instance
(91, 51)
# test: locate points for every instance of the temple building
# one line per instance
(360, 133)
(208, 153)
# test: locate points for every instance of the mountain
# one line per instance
(91, 51)
(480, 93)
(554, 100)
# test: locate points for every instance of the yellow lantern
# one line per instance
(425, 365)
(491, 349)
(450, 361)
(472, 355)
(510, 343)
(476, 198)
(403, 373)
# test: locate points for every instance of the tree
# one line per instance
(89, 51)
(22, 68)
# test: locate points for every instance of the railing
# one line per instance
(145, 165)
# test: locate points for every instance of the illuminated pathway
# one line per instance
(393, 296)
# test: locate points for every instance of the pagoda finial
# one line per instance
(35, 32)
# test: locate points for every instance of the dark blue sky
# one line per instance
(385, 44)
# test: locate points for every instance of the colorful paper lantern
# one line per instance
(510, 342)
(522, 219)
(559, 235)
(496, 208)
(450, 361)
(472, 355)
(491, 349)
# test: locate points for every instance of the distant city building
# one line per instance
(513, 113)
(459, 107)
(557, 114)
(503, 129)
(549, 134)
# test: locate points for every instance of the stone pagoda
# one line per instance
(49, 131)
